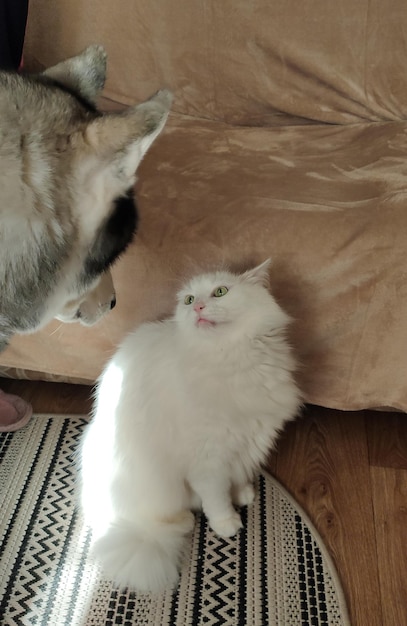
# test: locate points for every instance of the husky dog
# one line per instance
(67, 207)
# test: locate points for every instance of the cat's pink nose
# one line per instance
(198, 306)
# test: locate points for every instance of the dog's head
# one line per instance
(89, 308)
(79, 167)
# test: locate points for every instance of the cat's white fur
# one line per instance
(185, 414)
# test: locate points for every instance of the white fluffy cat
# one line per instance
(185, 413)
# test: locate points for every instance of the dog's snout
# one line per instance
(112, 303)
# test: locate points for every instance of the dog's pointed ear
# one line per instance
(125, 137)
(85, 73)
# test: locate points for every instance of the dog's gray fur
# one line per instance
(66, 207)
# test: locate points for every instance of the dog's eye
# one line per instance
(189, 299)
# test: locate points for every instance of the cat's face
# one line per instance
(218, 300)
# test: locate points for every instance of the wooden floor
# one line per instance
(348, 471)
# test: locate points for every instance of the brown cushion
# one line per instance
(238, 61)
(327, 203)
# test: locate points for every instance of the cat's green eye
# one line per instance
(189, 299)
(220, 291)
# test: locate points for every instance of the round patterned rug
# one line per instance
(276, 572)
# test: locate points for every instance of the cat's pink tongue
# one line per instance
(203, 322)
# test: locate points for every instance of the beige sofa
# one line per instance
(287, 139)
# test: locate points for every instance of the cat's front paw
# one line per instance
(243, 496)
(188, 521)
(228, 526)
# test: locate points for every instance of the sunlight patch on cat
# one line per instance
(103, 468)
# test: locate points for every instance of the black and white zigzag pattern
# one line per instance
(274, 573)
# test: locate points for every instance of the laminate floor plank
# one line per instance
(387, 439)
(389, 488)
(322, 459)
(46, 397)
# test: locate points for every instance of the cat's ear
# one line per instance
(259, 275)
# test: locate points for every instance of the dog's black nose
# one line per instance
(112, 303)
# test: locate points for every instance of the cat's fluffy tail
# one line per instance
(144, 559)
